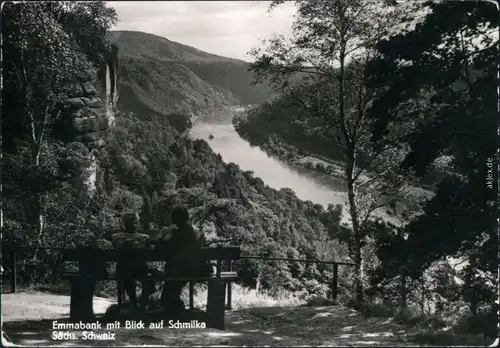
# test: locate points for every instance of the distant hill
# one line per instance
(161, 76)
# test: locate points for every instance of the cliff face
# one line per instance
(90, 110)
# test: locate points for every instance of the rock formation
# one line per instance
(90, 111)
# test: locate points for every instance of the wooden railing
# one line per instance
(334, 282)
(14, 252)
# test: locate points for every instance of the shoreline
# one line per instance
(310, 161)
(290, 154)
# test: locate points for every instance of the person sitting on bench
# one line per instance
(182, 244)
(128, 266)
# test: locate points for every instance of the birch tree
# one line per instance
(40, 59)
(323, 69)
(46, 45)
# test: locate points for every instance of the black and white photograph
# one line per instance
(250, 173)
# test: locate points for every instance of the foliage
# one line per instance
(44, 47)
(409, 99)
(39, 58)
(165, 168)
(437, 76)
(71, 213)
(43, 52)
(176, 88)
(452, 55)
(280, 118)
(148, 164)
(74, 17)
(333, 42)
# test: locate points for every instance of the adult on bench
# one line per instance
(129, 267)
(182, 245)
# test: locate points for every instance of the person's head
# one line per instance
(179, 215)
(130, 222)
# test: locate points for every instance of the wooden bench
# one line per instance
(91, 260)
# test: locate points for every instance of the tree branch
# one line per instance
(372, 159)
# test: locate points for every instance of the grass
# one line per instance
(246, 298)
(242, 297)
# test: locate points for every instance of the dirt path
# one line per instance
(28, 320)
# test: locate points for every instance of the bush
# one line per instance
(449, 339)
(480, 324)
(320, 167)
(377, 310)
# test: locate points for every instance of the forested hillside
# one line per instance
(146, 164)
(151, 167)
(162, 76)
(154, 87)
(286, 120)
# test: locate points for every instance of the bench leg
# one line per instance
(229, 304)
(216, 304)
(81, 300)
(119, 290)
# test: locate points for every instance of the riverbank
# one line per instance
(273, 172)
(292, 155)
(288, 153)
(222, 114)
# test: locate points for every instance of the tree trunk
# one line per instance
(357, 242)
(38, 224)
(403, 292)
(257, 284)
(37, 207)
(350, 146)
(422, 304)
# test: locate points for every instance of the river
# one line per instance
(307, 184)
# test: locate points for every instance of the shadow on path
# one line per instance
(277, 326)
(319, 326)
(28, 320)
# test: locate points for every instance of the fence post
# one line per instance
(13, 278)
(119, 290)
(335, 281)
(229, 304)
(191, 295)
(219, 264)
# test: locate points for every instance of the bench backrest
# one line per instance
(110, 255)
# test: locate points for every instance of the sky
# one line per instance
(225, 28)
